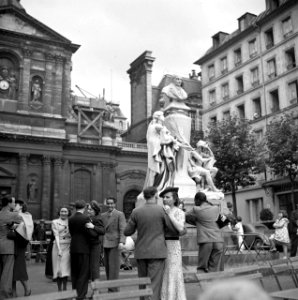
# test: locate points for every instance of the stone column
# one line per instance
(24, 93)
(46, 188)
(57, 201)
(22, 180)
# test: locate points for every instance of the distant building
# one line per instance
(56, 147)
(253, 73)
(145, 97)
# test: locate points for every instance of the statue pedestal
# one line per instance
(178, 123)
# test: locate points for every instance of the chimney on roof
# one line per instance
(193, 75)
(245, 21)
(218, 38)
(272, 4)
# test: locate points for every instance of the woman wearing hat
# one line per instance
(97, 230)
(173, 283)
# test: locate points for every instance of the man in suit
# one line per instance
(150, 221)
(204, 215)
(114, 239)
(7, 218)
(79, 249)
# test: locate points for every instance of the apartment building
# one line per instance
(253, 73)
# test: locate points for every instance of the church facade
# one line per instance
(55, 147)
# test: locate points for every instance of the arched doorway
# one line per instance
(129, 202)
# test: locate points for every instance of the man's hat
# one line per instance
(169, 189)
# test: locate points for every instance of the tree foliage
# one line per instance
(282, 144)
(236, 153)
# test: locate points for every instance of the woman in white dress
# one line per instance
(61, 248)
(173, 282)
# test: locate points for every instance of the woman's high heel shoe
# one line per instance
(28, 293)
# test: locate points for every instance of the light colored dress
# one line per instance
(61, 265)
(173, 282)
(240, 232)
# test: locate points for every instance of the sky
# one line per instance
(113, 33)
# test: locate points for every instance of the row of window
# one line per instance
(287, 29)
(254, 77)
(274, 102)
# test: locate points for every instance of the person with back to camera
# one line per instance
(7, 218)
(204, 216)
(150, 221)
(281, 234)
(173, 282)
(80, 249)
(23, 234)
(97, 230)
(61, 248)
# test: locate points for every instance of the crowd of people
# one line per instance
(83, 238)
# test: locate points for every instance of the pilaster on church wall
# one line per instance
(46, 188)
(65, 101)
(23, 170)
(25, 81)
(109, 179)
(47, 98)
(57, 85)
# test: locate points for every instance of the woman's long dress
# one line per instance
(61, 265)
(173, 282)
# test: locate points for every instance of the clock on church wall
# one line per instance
(9, 75)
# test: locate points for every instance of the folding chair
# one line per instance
(280, 267)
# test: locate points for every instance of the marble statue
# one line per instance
(162, 150)
(201, 168)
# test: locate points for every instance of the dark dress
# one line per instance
(20, 268)
(95, 246)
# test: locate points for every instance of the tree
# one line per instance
(282, 144)
(236, 153)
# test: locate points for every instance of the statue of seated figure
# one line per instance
(201, 168)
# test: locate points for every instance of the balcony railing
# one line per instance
(240, 91)
(255, 83)
(294, 100)
(137, 147)
(253, 54)
(272, 75)
(224, 71)
(291, 66)
(269, 45)
(226, 97)
(238, 63)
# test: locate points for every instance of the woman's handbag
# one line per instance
(11, 234)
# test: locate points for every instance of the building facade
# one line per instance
(55, 147)
(253, 73)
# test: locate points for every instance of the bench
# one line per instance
(72, 294)
(136, 288)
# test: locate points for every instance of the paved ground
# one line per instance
(40, 284)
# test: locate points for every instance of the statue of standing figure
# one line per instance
(162, 149)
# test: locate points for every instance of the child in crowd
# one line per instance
(281, 234)
(239, 228)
